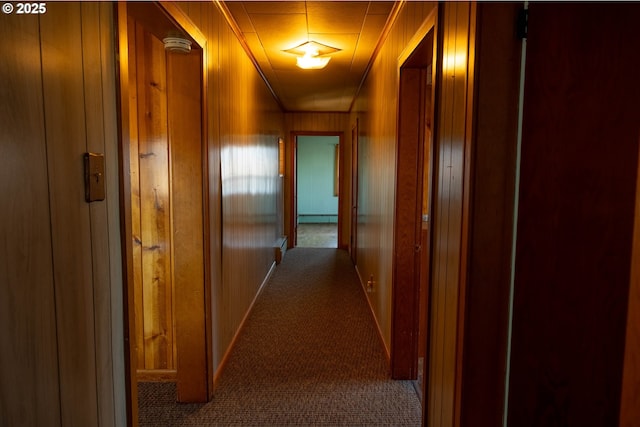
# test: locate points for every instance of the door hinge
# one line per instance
(523, 23)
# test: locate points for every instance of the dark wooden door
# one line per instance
(575, 214)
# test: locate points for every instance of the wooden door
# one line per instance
(575, 214)
(411, 241)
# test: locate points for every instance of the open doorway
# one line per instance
(316, 196)
(164, 184)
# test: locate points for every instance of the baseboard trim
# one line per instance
(363, 286)
(232, 344)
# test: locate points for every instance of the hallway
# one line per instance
(309, 353)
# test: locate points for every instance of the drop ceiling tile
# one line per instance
(380, 7)
(280, 31)
(240, 16)
(274, 7)
(336, 16)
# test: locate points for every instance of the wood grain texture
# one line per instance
(93, 63)
(244, 123)
(155, 240)
(29, 382)
(408, 224)
(60, 88)
(70, 220)
(451, 187)
(184, 89)
(376, 109)
(576, 213)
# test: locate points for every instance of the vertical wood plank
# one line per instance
(29, 383)
(155, 213)
(134, 182)
(70, 219)
(95, 128)
(449, 250)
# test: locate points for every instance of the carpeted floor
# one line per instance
(309, 354)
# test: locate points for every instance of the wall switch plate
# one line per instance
(94, 177)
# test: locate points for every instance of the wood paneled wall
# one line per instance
(151, 202)
(61, 361)
(454, 87)
(376, 110)
(243, 125)
(321, 122)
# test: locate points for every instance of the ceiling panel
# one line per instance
(269, 27)
(336, 16)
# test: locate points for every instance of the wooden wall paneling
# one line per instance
(208, 272)
(215, 181)
(211, 22)
(155, 213)
(440, 221)
(29, 382)
(376, 111)
(630, 395)
(92, 59)
(449, 246)
(575, 218)
(249, 122)
(70, 219)
(185, 140)
(134, 183)
(497, 76)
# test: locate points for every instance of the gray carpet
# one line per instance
(309, 354)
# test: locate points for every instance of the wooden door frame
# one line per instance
(180, 21)
(293, 183)
(405, 324)
(353, 241)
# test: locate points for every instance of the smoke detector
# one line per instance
(177, 44)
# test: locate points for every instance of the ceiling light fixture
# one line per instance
(312, 55)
